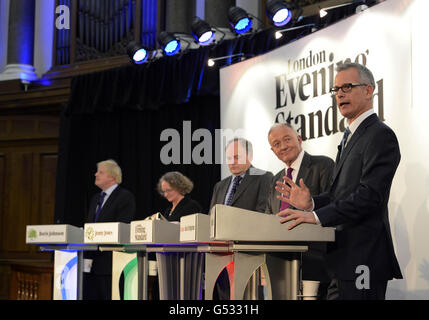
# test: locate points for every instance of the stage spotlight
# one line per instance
(169, 43)
(202, 32)
(137, 53)
(279, 12)
(212, 61)
(239, 20)
(279, 33)
(324, 11)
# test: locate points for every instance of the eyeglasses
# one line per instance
(166, 191)
(347, 87)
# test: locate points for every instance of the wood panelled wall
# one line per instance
(29, 130)
(28, 162)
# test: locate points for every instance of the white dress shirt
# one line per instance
(355, 124)
(108, 192)
(231, 184)
(295, 166)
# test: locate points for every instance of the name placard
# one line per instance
(107, 233)
(195, 228)
(154, 231)
(235, 224)
(53, 233)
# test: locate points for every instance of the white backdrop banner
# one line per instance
(292, 84)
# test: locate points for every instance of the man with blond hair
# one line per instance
(113, 204)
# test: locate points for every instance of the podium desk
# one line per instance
(115, 237)
(180, 253)
(260, 240)
(119, 265)
(67, 243)
(144, 235)
(195, 238)
(181, 267)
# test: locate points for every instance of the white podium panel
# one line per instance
(107, 233)
(154, 231)
(195, 228)
(65, 275)
(125, 264)
(260, 240)
(53, 233)
(234, 224)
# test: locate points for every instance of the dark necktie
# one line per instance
(285, 205)
(99, 205)
(235, 184)
(343, 143)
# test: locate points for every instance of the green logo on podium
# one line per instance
(32, 234)
(90, 233)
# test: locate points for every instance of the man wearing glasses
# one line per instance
(362, 259)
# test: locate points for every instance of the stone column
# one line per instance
(20, 51)
(4, 22)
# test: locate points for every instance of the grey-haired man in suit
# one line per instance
(357, 200)
(316, 172)
(247, 187)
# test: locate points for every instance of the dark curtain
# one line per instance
(120, 114)
(132, 138)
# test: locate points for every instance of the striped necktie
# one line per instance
(235, 184)
(342, 144)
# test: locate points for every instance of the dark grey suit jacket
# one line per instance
(251, 194)
(316, 171)
(356, 204)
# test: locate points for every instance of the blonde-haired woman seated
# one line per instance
(174, 187)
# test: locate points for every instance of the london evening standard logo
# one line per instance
(140, 233)
(308, 78)
(90, 233)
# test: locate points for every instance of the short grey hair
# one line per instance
(281, 124)
(112, 168)
(365, 75)
(246, 144)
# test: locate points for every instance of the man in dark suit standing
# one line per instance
(316, 172)
(247, 187)
(112, 204)
(362, 259)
